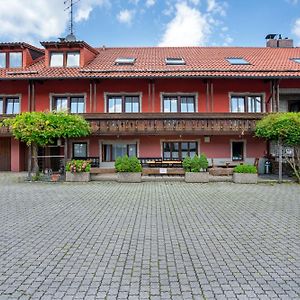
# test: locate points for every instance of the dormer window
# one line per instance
(174, 61)
(125, 61)
(15, 59)
(11, 60)
(56, 59)
(237, 61)
(2, 60)
(65, 59)
(73, 59)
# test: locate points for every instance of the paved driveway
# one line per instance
(149, 241)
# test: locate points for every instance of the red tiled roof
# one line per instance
(150, 63)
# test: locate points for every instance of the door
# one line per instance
(4, 154)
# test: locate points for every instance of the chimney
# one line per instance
(276, 41)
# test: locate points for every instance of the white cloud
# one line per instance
(150, 3)
(27, 20)
(296, 28)
(213, 6)
(125, 16)
(85, 7)
(195, 2)
(294, 2)
(189, 27)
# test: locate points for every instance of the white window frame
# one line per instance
(55, 95)
(247, 94)
(184, 94)
(245, 149)
(121, 94)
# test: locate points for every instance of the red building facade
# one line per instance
(151, 102)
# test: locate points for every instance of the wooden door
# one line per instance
(4, 154)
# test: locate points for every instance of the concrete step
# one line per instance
(162, 178)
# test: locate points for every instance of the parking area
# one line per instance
(151, 240)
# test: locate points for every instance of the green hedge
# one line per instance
(128, 164)
(195, 164)
(245, 169)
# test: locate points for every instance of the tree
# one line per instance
(285, 129)
(38, 129)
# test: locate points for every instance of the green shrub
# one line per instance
(128, 164)
(203, 161)
(245, 169)
(78, 166)
(195, 164)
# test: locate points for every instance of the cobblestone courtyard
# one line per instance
(149, 241)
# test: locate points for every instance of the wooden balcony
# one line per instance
(173, 123)
(168, 124)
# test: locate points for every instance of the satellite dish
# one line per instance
(70, 38)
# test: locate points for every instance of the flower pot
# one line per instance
(78, 177)
(129, 177)
(245, 177)
(55, 177)
(200, 177)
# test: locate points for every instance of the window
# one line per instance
(57, 59)
(15, 59)
(127, 104)
(125, 61)
(73, 104)
(2, 60)
(11, 60)
(179, 104)
(174, 61)
(9, 105)
(237, 61)
(111, 151)
(73, 59)
(77, 105)
(79, 150)
(250, 104)
(237, 151)
(297, 60)
(179, 150)
(65, 59)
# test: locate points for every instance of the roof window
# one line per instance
(296, 60)
(174, 61)
(125, 61)
(237, 61)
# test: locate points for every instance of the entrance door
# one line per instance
(4, 154)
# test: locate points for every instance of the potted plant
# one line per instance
(245, 174)
(78, 171)
(129, 169)
(196, 168)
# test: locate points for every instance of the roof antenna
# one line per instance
(70, 6)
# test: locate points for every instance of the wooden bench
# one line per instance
(163, 171)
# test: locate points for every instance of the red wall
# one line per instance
(59, 87)
(16, 88)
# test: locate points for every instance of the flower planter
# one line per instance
(244, 178)
(55, 177)
(129, 177)
(200, 177)
(78, 177)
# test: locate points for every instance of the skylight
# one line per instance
(237, 61)
(296, 59)
(174, 61)
(125, 61)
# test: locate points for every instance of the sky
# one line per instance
(119, 23)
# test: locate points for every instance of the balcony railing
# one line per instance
(173, 123)
(169, 123)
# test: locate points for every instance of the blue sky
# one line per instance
(152, 22)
